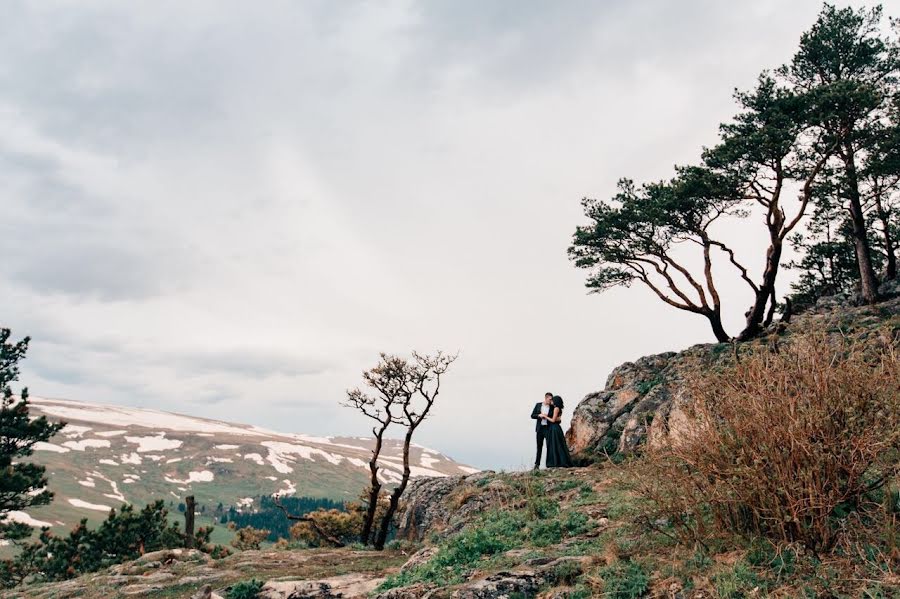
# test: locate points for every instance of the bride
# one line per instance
(557, 451)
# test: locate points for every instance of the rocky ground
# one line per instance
(571, 534)
(188, 573)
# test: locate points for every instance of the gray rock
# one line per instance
(418, 558)
(349, 586)
(205, 592)
(427, 508)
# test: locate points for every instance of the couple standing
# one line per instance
(548, 414)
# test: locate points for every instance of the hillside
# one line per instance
(112, 454)
(567, 533)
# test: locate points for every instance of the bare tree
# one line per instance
(422, 379)
(392, 381)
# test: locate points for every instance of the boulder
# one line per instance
(350, 586)
(618, 418)
(429, 508)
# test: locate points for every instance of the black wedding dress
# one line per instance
(557, 450)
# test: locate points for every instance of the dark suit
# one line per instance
(540, 430)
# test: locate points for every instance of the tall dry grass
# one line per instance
(790, 443)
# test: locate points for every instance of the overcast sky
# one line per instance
(228, 209)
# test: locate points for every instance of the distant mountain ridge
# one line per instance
(110, 454)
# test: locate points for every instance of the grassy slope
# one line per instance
(530, 519)
(590, 512)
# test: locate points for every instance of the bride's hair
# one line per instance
(558, 402)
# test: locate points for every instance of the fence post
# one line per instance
(189, 521)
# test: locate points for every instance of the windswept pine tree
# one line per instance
(813, 148)
(22, 483)
(851, 69)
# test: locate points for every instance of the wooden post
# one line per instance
(189, 521)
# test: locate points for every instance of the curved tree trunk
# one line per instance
(374, 488)
(388, 517)
(867, 280)
(890, 271)
(765, 292)
(714, 316)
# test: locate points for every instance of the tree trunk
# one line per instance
(189, 521)
(388, 517)
(867, 280)
(766, 291)
(374, 490)
(715, 320)
(890, 271)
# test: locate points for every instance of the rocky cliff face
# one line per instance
(643, 400)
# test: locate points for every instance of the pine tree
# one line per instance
(22, 484)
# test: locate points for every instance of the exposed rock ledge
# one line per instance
(643, 400)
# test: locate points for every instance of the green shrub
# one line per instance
(624, 580)
(736, 583)
(246, 589)
(124, 535)
(567, 572)
(546, 532)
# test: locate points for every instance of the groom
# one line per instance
(540, 427)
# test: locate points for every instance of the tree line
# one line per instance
(269, 516)
(813, 151)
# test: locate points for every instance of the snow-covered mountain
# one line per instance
(111, 454)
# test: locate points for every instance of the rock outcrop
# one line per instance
(339, 587)
(644, 400)
(619, 418)
(441, 505)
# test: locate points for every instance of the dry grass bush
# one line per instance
(790, 443)
(248, 538)
(340, 525)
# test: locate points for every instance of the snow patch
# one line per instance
(280, 451)
(245, 502)
(173, 460)
(23, 518)
(255, 457)
(85, 443)
(131, 458)
(203, 476)
(290, 489)
(109, 462)
(469, 470)
(73, 430)
(222, 460)
(227, 446)
(388, 476)
(358, 462)
(157, 443)
(428, 460)
(414, 471)
(113, 415)
(89, 506)
(110, 433)
(88, 482)
(42, 446)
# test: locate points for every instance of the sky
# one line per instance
(228, 209)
